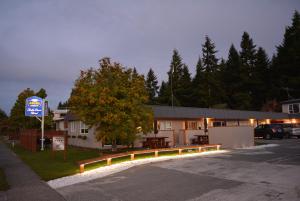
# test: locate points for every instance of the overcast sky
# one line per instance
(46, 43)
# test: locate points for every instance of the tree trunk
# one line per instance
(114, 145)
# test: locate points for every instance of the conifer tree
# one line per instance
(262, 82)
(184, 91)
(211, 86)
(197, 98)
(237, 97)
(151, 86)
(174, 76)
(287, 62)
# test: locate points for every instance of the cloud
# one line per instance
(46, 43)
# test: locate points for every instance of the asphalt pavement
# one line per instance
(24, 184)
(268, 173)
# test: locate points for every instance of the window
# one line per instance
(72, 126)
(219, 123)
(165, 125)
(192, 125)
(83, 128)
(294, 108)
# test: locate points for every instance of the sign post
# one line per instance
(35, 107)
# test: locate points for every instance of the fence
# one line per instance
(30, 138)
(132, 154)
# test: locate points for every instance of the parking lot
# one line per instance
(271, 172)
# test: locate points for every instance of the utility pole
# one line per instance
(172, 95)
(42, 125)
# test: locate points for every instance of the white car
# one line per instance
(295, 131)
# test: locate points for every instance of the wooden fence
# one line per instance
(132, 154)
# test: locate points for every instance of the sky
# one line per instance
(45, 43)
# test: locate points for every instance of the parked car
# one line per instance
(295, 131)
(269, 131)
(287, 129)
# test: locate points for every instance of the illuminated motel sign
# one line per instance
(34, 107)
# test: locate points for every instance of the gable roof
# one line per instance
(194, 113)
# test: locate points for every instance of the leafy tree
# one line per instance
(18, 120)
(151, 86)
(41, 93)
(3, 115)
(112, 99)
(287, 61)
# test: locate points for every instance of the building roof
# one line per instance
(295, 116)
(168, 112)
(71, 117)
(291, 101)
(194, 113)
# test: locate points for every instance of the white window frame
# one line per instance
(223, 123)
(192, 125)
(292, 109)
(72, 126)
(83, 128)
(165, 125)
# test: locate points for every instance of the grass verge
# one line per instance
(49, 167)
(3, 183)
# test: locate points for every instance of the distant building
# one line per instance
(180, 125)
(59, 119)
(292, 107)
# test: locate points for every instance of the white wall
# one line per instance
(89, 142)
(232, 137)
(285, 108)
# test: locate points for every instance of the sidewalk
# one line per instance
(24, 184)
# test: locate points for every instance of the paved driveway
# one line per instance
(271, 173)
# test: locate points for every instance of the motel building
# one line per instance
(180, 126)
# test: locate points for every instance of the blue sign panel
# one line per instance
(34, 106)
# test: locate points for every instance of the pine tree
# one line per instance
(211, 86)
(175, 74)
(210, 62)
(262, 82)
(248, 56)
(184, 91)
(197, 98)
(151, 86)
(287, 61)
(163, 94)
(233, 81)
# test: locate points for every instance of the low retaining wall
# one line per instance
(232, 137)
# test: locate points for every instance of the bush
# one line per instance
(84, 137)
(73, 136)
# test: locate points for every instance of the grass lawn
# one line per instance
(3, 183)
(49, 167)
